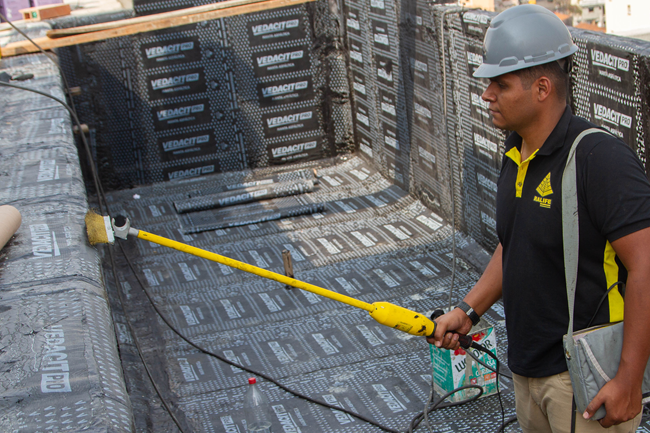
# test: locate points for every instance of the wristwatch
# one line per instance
(475, 318)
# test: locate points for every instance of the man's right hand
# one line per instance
(448, 327)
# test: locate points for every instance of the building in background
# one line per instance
(592, 14)
(489, 5)
(619, 17)
(628, 18)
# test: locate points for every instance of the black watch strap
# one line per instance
(475, 318)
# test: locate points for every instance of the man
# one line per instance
(526, 50)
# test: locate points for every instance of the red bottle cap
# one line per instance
(252, 381)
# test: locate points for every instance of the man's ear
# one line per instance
(543, 88)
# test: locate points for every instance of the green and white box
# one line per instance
(453, 369)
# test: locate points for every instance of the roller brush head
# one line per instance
(99, 229)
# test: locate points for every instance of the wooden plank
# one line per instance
(25, 47)
(57, 33)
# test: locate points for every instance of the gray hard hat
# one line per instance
(521, 37)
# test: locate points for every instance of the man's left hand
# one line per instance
(622, 402)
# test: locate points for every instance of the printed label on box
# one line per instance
(280, 61)
(359, 85)
(380, 35)
(422, 115)
(365, 143)
(179, 83)
(274, 30)
(385, 70)
(187, 145)
(378, 7)
(420, 70)
(611, 67)
(617, 118)
(167, 53)
(353, 22)
(450, 368)
(427, 158)
(285, 91)
(391, 141)
(475, 23)
(191, 170)
(296, 150)
(388, 104)
(362, 114)
(289, 122)
(356, 52)
(181, 114)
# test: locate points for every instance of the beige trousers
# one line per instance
(544, 406)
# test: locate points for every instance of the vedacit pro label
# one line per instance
(181, 114)
(289, 122)
(295, 150)
(191, 170)
(274, 30)
(190, 144)
(280, 61)
(167, 53)
(178, 83)
(285, 91)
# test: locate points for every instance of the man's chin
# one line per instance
(497, 123)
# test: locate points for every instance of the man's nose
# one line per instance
(488, 94)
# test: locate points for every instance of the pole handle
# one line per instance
(464, 340)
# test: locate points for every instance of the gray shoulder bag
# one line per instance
(592, 354)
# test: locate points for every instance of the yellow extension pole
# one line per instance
(254, 270)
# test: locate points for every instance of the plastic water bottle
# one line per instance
(257, 409)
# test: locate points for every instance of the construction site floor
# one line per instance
(373, 242)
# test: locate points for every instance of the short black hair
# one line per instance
(553, 71)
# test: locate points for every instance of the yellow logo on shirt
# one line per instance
(544, 189)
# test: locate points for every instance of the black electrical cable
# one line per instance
(137, 343)
(602, 299)
(508, 422)
(23, 34)
(487, 366)
(72, 108)
(83, 136)
(234, 364)
(97, 183)
(101, 197)
(415, 422)
(496, 360)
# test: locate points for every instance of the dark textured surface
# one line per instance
(393, 249)
(223, 95)
(59, 365)
(384, 233)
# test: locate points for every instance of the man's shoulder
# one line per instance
(591, 142)
(602, 150)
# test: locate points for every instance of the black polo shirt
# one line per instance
(613, 201)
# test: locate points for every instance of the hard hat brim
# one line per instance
(490, 71)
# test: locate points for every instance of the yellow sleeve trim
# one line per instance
(615, 299)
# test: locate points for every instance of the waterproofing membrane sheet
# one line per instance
(417, 60)
(221, 95)
(323, 349)
(59, 365)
